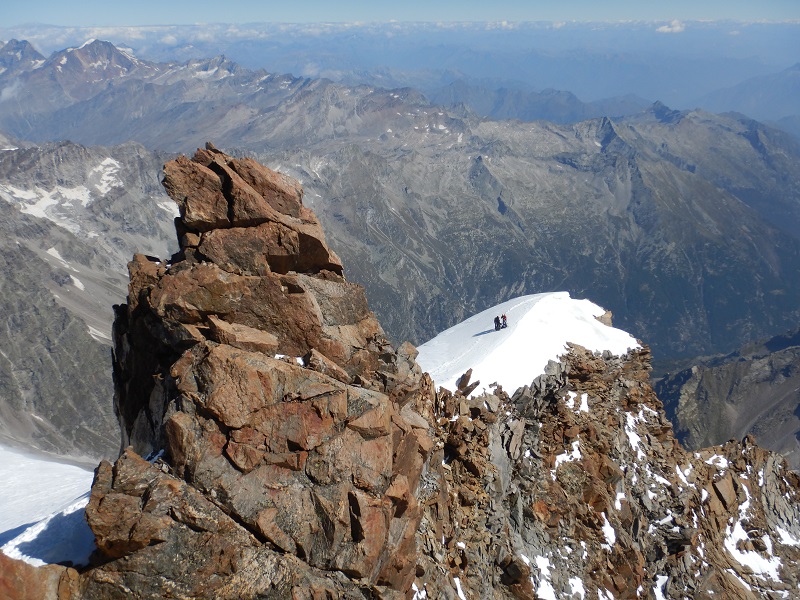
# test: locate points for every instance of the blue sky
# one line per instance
(179, 12)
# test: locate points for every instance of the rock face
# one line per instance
(292, 449)
(755, 390)
(575, 487)
(291, 452)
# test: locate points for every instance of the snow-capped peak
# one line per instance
(539, 327)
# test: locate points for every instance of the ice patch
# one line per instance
(107, 173)
(577, 587)
(207, 74)
(61, 537)
(545, 590)
(735, 534)
(718, 461)
(459, 591)
(787, 539)
(633, 438)
(658, 590)
(45, 487)
(77, 283)
(683, 476)
(609, 533)
(100, 336)
(574, 455)
(56, 254)
(661, 480)
(56, 205)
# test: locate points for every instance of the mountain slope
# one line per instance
(72, 215)
(755, 390)
(767, 98)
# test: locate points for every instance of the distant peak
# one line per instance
(664, 113)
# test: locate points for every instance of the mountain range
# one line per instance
(676, 62)
(418, 172)
(278, 445)
(683, 223)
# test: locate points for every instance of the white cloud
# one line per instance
(675, 26)
(310, 69)
(10, 92)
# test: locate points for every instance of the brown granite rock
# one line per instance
(21, 581)
(268, 382)
(198, 192)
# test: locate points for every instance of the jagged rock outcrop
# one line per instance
(279, 447)
(291, 446)
(575, 487)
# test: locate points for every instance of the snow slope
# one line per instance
(41, 509)
(539, 326)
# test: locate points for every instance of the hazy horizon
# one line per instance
(183, 12)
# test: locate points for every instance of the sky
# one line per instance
(183, 12)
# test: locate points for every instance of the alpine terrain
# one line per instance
(754, 390)
(279, 446)
(684, 224)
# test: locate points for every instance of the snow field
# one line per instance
(41, 509)
(539, 327)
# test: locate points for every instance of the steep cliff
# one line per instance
(291, 452)
(755, 390)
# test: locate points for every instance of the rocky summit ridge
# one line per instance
(277, 446)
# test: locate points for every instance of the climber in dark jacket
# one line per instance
(497, 323)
